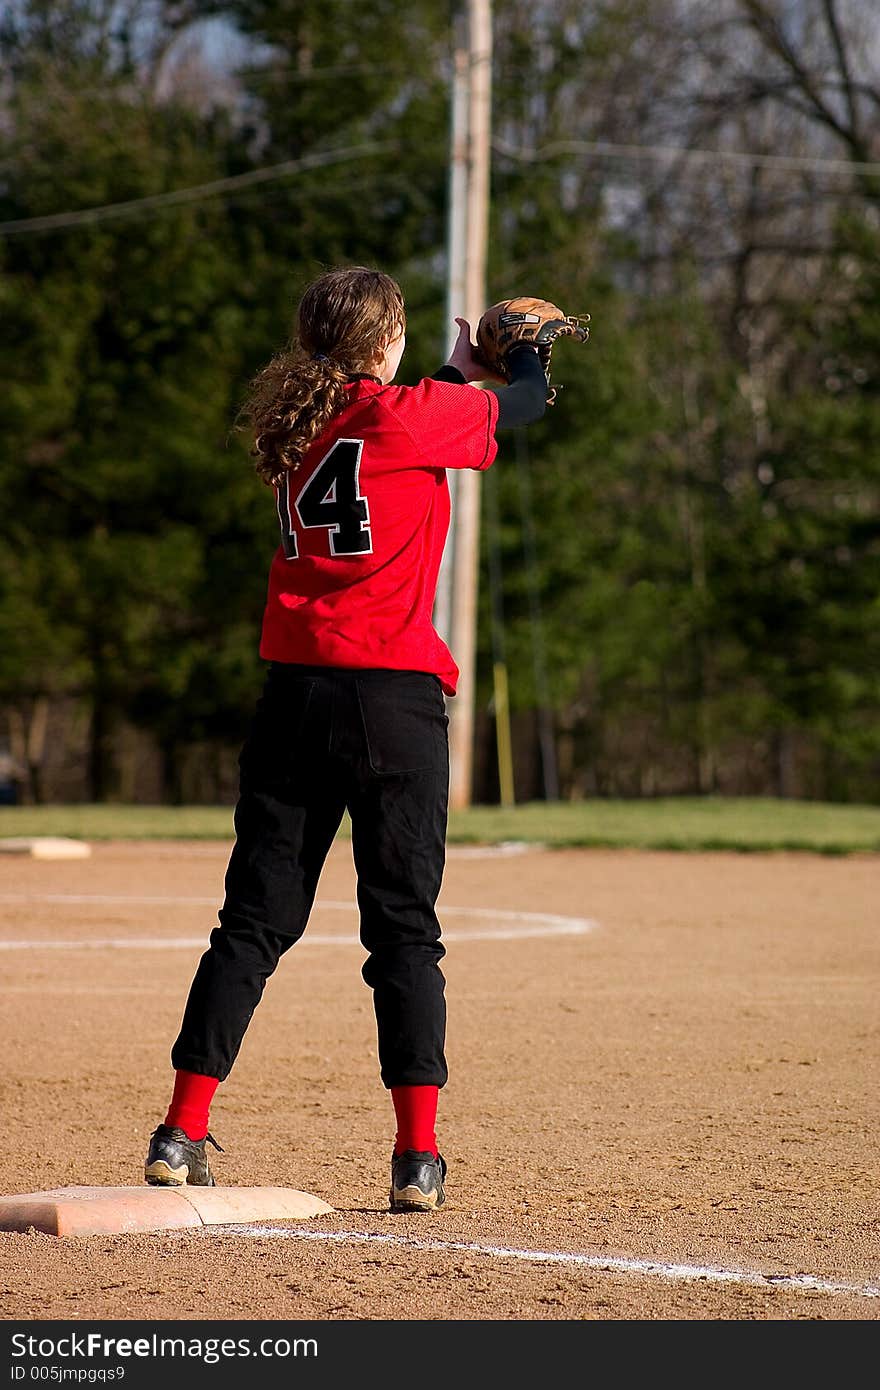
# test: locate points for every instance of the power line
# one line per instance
(272, 172)
(749, 159)
(136, 206)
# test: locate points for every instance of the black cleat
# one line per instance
(174, 1159)
(417, 1181)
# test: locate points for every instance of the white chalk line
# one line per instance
(504, 849)
(615, 1264)
(522, 925)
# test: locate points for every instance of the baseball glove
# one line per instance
(511, 322)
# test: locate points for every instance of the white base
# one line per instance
(46, 847)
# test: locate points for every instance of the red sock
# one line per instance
(191, 1103)
(416, 1111)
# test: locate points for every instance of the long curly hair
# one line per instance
(344, 320)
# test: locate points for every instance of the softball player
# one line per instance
(352, 714)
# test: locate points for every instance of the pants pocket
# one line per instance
(405, 723)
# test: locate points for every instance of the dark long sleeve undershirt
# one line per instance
(525, 399)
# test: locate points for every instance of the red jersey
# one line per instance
(364, 521)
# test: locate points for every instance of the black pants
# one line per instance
(324, 739)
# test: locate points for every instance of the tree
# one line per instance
(123, 351)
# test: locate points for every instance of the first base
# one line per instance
(46, 847)
(92, 1211)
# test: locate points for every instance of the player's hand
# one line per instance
(464, 359)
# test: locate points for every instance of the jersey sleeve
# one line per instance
(450, 425)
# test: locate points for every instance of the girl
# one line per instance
(352, 714)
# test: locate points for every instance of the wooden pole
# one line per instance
(456, 254)
(466, 522)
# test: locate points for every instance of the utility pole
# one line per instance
(468, 229)
(456, 295)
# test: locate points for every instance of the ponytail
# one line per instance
(344, 320)
(292, 401)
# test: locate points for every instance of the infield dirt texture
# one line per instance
(662, 1101)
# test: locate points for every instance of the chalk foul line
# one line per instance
(615, 1264)
(519, 925)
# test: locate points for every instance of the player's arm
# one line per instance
(524, 400)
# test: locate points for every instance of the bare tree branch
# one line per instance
(768, 29)
(831, 19)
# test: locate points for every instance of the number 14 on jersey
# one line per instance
(329, 499)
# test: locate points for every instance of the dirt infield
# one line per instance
(662, 1102)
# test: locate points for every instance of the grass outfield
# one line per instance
(674, 823)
